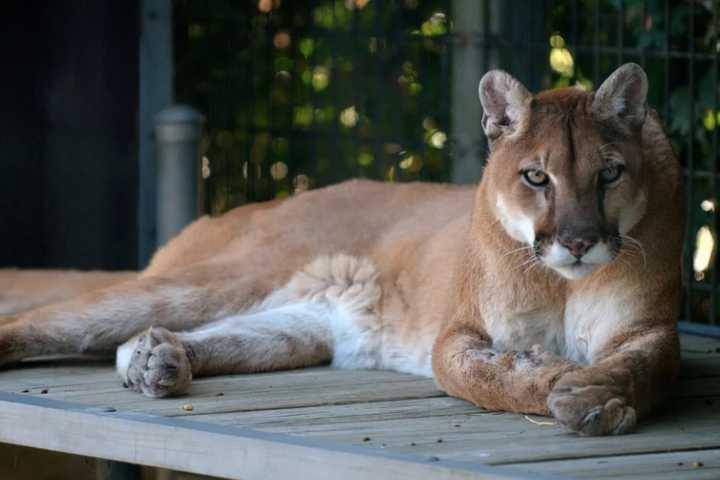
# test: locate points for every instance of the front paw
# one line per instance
(591, 408)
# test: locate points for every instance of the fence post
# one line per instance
(156, 92)
(475, 23)
(177, 130)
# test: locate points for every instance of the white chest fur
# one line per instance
(588, 321)
(594, 316)
(522, 330)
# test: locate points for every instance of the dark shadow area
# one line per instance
(68, 134)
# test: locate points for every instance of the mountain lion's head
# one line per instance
(566, 166)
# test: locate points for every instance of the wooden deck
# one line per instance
(324, 423)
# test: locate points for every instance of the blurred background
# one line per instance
(299, 94)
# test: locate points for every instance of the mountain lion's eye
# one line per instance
(536, 178)
(611, 174)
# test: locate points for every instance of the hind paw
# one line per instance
(155, 363)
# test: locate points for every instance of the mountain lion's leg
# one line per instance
(159, 363)
(23, 290)
(630, 375)
(99, 321)
(327, 310)
(466, 366)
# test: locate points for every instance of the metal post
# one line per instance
(473, 54)
(177, 131)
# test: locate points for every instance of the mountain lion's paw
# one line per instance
(155, 363)
(591, 409)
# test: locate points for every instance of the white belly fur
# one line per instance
(361, 337)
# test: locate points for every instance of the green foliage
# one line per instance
(344, 86)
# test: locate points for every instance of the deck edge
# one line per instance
(221, 450)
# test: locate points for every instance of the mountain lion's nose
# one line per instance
(577, 246)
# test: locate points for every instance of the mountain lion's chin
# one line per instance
(576, 271)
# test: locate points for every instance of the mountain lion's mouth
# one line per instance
(576, 270)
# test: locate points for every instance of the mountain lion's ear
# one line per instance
(504, 100)
(621, 99)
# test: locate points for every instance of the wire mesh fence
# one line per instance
(301, 94)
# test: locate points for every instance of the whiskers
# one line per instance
(529, 248)
(528, 262)
(632, 249)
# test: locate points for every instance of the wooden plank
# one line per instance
(280, 419)
(61, 374)
(702, 464)
(209, 449)
(699, 329)
(505, 438)
(311, 387)
(699, 343)
(279, 390)
(700, 356)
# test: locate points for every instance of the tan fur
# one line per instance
(26, 289)
(371, 275)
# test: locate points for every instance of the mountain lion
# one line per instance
(550, 288)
